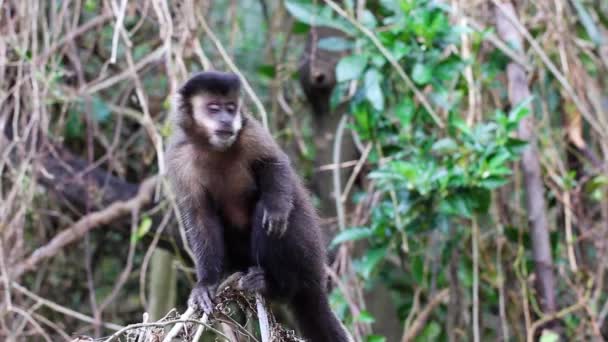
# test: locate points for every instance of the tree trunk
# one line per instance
(530, 165)
(163, 284)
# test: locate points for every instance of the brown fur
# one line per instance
(245, 209)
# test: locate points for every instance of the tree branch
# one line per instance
(85, 224)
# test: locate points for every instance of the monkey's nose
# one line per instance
(319, 78)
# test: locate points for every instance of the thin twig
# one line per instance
(117, 29)
(551, 317)
(201, 328)
(356, 170)
(336, 172)
(179, 326)
(416, 326)
(56, 307)
(475, 252)
(602, 131)
(263, 318)
(117, 334)
(85, 224)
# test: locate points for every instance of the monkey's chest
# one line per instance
(233, 191)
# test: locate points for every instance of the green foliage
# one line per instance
(350, 68)
(440, 178)
(142, 229)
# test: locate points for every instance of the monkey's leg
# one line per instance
(206, 239)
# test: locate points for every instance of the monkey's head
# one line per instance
(209, 109)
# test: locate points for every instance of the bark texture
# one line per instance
(530, 166)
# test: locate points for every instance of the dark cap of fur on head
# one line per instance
(213, 82)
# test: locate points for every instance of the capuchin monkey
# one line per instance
(244, 208)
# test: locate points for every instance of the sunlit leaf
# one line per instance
(421, 73)
(313, 15)
(430, 332)
(334, 44)
(351, 234)
(405, 111)
(521, 110)
(373, 91)
(370, 260)
(445, 145)
(365, 317)
(350, 68)
(549, 336)
(376, 338)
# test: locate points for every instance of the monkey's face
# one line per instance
(219, 116)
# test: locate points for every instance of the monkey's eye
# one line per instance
(213, 108)
(231, 108)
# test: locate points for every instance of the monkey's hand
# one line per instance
(201, 298)
(275, 222)
(253, 281)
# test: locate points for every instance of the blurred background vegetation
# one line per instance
(457, 152)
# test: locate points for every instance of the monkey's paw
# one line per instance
(253, 281)
(201, 298)
(274, 223)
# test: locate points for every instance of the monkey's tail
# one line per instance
(316, 320)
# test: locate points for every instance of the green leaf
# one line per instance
(376, 338)
(142, 230)
(499, 159)
(421, 73)
(267, 70)
(335, 44)
(74, 126)
(312, 15)
(445, 146)
(548, 336)
(516, 146)
(365, 317)
(493, 182)
(351, 234)
(400, 49)
(405, 111)
(456, 205)
(300, 28)
(350, 68)
(430, 332)
(90, 6)
(368, 19)
(588, 23)
(101, 111)
(417, 267)
(521, 110)
(373, 91)
(370, 260)
(303, 12)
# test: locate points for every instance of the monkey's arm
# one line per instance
(204, 234)
(275, 180)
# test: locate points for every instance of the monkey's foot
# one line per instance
(274, 223)
(201, 298)
(253, 281)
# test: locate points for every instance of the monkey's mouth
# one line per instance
(224, 133)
